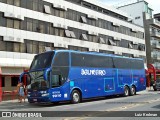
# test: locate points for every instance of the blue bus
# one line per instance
(66, 75)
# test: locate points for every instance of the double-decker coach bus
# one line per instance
(65, 75)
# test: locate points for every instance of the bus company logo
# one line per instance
(93, 72)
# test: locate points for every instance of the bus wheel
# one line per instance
(75, 97)
(133, 91)
(126, 91)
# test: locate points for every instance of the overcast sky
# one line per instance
(154, 4)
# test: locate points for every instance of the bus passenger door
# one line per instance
(59, 91)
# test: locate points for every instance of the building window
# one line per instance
(84, 37)
(35, 47)
(2, 20)
(57, 13)
(29, 46)
(29, 25)
(3, 44)
(30, 4)
(47, 9)
(61, 32)
(16, 24)
(3, 82)
(14, 81)
(10, 2)
(67, 33)
(137, 17)
(41, 26)
(106, 51)
(101, 40)
(111, 42)
(130, 45)
(9, 46)
(83, 19)
(70, 47)
(72, 34)
(17, 3)
(36, 27)
(10, 23)
(23, 48)
(56, 31)
(16, 47)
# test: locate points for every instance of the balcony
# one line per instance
(155, 45)
(157, 65)
(155, 23)
(155, 56)
(155, 34)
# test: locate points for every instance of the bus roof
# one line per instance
(96, 53)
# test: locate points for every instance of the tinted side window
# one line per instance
(122, 63)
(77, 59)
(98, 61)
(84, 60)
(137, 64)
(61, 59)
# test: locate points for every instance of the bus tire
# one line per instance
(75, 97)
(133, 91)
(126, 91)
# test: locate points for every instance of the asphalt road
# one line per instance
(145, 102)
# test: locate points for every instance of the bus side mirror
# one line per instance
(20, 77)
(46, 74)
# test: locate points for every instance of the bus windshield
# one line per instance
(41, 61)
(37, 81)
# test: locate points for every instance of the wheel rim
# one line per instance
(126, 92)
(75, 97)
(133, 90)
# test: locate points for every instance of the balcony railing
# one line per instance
(155, 34)
(155, 45)
(155, 56)
(155, 22)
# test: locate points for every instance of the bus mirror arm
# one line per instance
(20, 77)
(47, 71)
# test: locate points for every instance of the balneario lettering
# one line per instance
(93, 72)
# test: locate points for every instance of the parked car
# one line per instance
(156, 85)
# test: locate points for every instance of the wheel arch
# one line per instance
(133, 86)
(78, 89)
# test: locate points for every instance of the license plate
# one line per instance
(35, 100)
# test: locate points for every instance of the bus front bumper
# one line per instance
(38, 99)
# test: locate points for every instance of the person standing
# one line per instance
(21, 92)
(18, 86)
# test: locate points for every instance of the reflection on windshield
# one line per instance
(42, 60)
(37, 81)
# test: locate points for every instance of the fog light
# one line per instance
(47, 94)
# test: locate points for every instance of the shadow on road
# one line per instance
(157, 107)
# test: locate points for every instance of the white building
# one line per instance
(139, 10)
(28, 27)
(142, 15)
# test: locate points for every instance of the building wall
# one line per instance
(8, 86)
(135, 10)
(26, 30)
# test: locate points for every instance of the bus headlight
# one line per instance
(43, 92)
(44, 95)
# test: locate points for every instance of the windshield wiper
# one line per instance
(38, 77)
